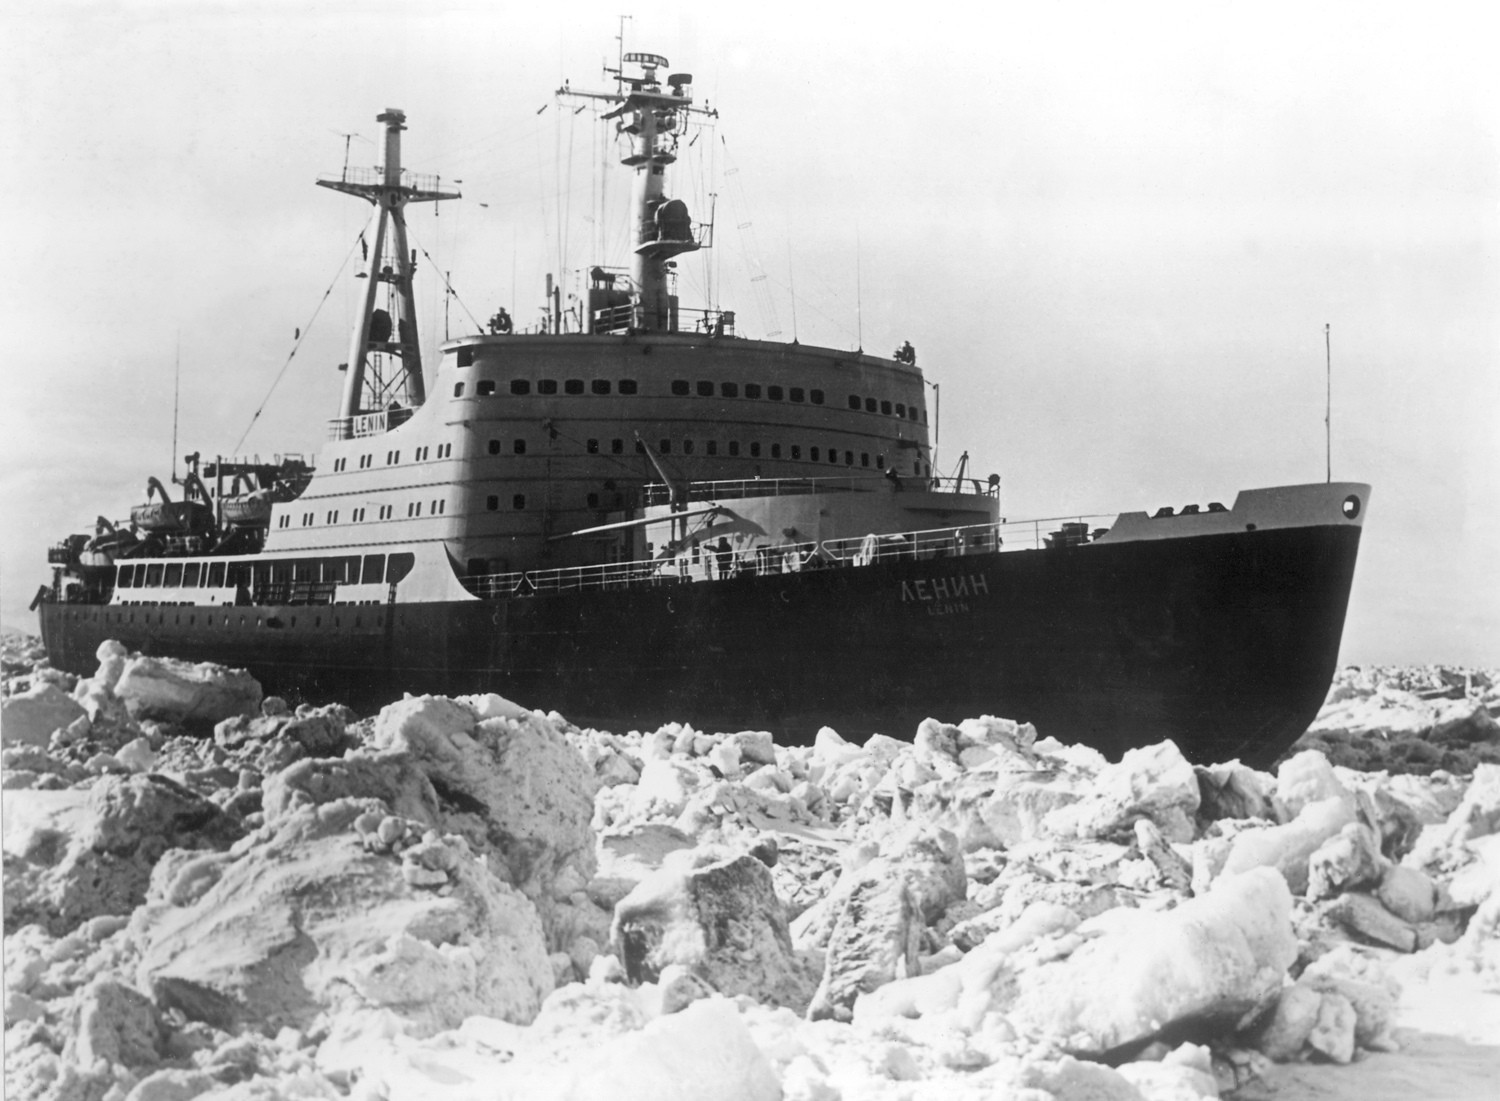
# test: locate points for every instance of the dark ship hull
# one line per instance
(1224, 643)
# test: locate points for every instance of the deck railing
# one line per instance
(853, 552)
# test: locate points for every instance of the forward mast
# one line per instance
(653, 119)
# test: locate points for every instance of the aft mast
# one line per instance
(384, 380)
(653, 119)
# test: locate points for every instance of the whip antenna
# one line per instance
(1328, 402)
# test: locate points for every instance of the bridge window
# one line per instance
(125, 578)
(399, 566)
(774, 393)
(854, 402)
(546, 386)
(752, 389)
(871, 405)
(681, 388)
(600, 386)
(520, 386)
(466, 357)
(900, 409)
(729, 389)
(486, 388)
(798, 394)
(885, 407)
(816, 396)
(216, 575)
(173, 579)
(374, 569)
(628, 386)
(573, 386)
(705, 389)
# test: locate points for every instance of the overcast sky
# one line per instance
(1114, 234)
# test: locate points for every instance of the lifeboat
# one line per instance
(169, 517)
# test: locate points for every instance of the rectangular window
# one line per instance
(755, 449)
(573, 386)
(466, 357)
(734, 447)
(153, 575)
(494, 447)
(546, 386)
(816, 396)
(796, 451)
(774, 393)
(616, 447)
(593, 500)
(520, 386)
(871, 405)
(705, 389)
(848, 458)
(854, 402)
(681, 388)
(190, 575)
(664, 447)
(752, 389)
(458, 389)
(216, 575)
(591, 446)
(519, 447)
(492, 502)
(885, 407)
(900, 409)
(911, 412)
(374, 569)
(729, 389)
(775, 451)
(833, 454)
(813, 454)
(174, 576)
(600, 386)
(486, 388)
(687, 447)
(518, 502)
(879, 462)
(864, 458)
(713, 447)
(628, 386)
(125, 579)
(798, 394)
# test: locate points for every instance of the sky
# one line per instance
(1114, 234)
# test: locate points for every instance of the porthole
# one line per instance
(1351, 507)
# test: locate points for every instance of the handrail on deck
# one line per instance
(851, 552)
